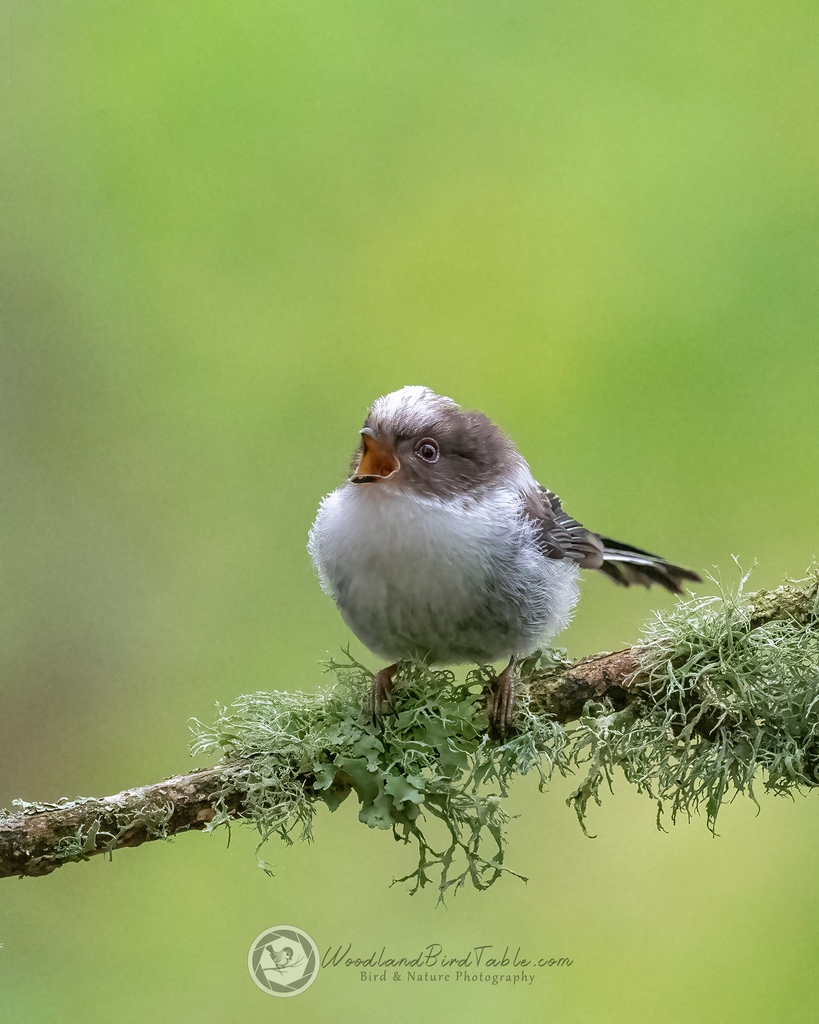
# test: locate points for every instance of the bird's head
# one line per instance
(415, 440)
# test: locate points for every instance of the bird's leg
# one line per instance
(500, 703)
(381, 692)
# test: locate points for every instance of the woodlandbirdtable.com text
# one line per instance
(486, 964)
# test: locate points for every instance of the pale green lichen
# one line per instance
(431, 759)
(731, 696)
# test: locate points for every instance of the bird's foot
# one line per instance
(500, 703)
(381, 692)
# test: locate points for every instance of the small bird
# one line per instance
(278, 959)
(442, 547)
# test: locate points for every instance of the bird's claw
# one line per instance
(500, 703)
(381, 693)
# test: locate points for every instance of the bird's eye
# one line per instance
(427, 449)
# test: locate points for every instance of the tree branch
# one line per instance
(41, 837)
(38, 838)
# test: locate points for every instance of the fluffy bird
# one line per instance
(442, 547)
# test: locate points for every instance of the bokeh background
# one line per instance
(229, 227)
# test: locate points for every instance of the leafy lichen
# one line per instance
(432, 759)
(729, 694)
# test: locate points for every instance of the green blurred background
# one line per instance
(228, 228)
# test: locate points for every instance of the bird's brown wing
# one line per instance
(560, 536)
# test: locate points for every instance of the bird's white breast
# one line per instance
(455, 580)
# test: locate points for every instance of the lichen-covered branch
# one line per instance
(720, 692)
(40, 837)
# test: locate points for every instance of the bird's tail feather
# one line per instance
(627, 566)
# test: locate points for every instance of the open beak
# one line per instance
(377, 462)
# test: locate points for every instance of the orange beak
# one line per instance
(377, 462)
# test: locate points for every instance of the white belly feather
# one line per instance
(449, 581)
